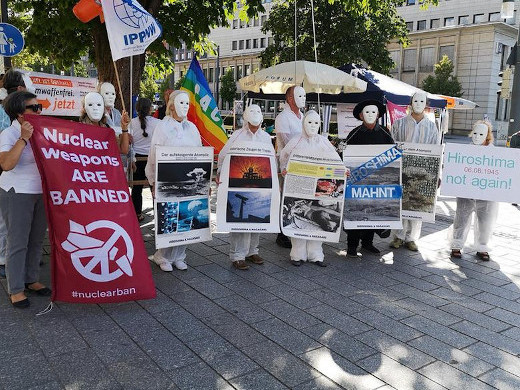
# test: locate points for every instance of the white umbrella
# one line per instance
(457, 103)
(313, 77)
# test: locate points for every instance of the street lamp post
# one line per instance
(7, 60)
(507, 12)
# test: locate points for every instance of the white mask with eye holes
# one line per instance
(370, 114)
(311, 123)
(299, 97)
(479, 134)
(94, 106)
(419, 102)
(182, 105)
(253, 115)
(108, 92)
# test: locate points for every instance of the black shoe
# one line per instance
(43, 292)
(320, 263)
(2, 271)
(371, 248)
(23, 304)
(385, 233)
(353, 253)
(296, 263)
(283, 241)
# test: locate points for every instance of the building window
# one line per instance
(239, 72)
(494, 17)
(263, 19)
(188, 55)
(427, 59)
(449, 21)
(504, 57)
(232, 70)
(435, 23)
(270, 41)
(421, 25)
(247, 70)
(262, 42)
(479, 18)
(210, 75)
(205, 73)
(409, 26)
(235, 23)
(181, 55)
(243, 23)
(448, 51)
(256, 22)
(410, 2)
(234, 45)
(409, 60)
(255, 43)
(464, 19)
(248, 43)
(396, 58)
(241, 44)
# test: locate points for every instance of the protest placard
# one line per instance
(313, 198)
(420, 177)
(373, 191)
(183, 179)
(97, 250)
(481, 172)
(248, 199)
(345, 119)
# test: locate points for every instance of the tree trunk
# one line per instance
(105, 65)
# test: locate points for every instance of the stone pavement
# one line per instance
(404, 321)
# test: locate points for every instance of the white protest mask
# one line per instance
(419, 102)
(253, 115)
(108, 92)
(94, 106)
(370, 114)
(181, 104)
(311, 123)
(479, 134)
(299, 97)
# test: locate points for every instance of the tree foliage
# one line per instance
(347, 31)
(51, 30)
(228, 87)
(443, 81)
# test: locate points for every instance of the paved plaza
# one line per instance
(401, 321)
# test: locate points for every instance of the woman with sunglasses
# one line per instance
(21, 201)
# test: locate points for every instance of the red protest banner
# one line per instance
(98, 254)
(395, 111)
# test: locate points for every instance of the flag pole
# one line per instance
(119, 85)
(131, 77)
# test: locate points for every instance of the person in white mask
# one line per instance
(288, 124)
(244, 246)
(93, 113)
(173, 130)
(413, 128)
(113, 116)
(368, 133)
(309, 143)
(485, 211)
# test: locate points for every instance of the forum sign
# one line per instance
(481, 172)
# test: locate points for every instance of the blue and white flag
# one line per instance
(131, 29)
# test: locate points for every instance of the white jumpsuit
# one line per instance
(423, 132)
(243, 244)
(169, 132)
(302, 249)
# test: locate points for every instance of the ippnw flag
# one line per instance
(131, 29)
(203, 111)
(97, 251)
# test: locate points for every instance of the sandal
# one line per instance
(456, 253)
(484, 256)
(43, 292)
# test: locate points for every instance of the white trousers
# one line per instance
(243, 245)
(3, 240)
(172, 254)
(306, 250)
(485, 217)
(411, 230)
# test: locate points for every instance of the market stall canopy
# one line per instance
(313, 77)
(457, 103)
(398, 92)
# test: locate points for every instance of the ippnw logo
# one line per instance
(101, 251)
(130, 13)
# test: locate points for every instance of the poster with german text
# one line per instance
(373, 190)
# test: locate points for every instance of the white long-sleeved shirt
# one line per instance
(170, 133)
(287, 125)
(316, 146)
(243, 135)
(408, 130)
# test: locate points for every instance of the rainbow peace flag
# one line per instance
(203, 108)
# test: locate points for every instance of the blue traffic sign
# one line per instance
(11, 40)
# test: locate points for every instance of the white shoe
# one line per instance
(164, 264)
(180, 264)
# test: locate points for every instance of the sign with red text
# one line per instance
(97, 251)
(61, 95)
(481, 172)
